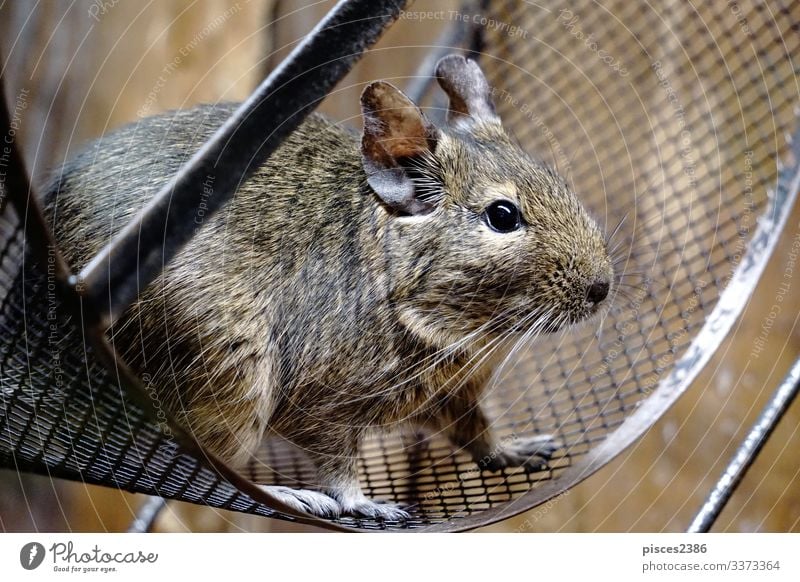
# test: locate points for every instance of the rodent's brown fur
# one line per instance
(311, 308)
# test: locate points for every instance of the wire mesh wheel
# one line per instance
(668, 121)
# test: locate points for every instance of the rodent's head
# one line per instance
(481, 237)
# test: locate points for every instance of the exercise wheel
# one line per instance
(671, 122)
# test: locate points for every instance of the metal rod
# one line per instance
(15, 186)
(748, 451)
(147, 514)
(113, 279)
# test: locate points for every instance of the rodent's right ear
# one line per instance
(395, 131)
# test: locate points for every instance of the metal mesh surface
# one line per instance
(670, 116)
(63, 414)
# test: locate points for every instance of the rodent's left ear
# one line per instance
(468, 90)
(395, 132)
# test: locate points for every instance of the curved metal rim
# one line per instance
(705, 344)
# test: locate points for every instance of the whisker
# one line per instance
(617, 228)
(497, 345)
(440, 355)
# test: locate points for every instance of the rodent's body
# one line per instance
(310, 308)
(271, 296)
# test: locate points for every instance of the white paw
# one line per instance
(361, 506)
(312, 502)
(529, 452)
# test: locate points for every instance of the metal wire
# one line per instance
(147, 515)
(748, 451)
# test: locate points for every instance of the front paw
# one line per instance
(532, 453)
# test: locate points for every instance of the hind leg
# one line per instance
(334, 452)
(306, 500)
(238, 442)
(337, 479)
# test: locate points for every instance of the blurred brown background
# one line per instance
(91, 65)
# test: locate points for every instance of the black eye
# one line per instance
(502, 216)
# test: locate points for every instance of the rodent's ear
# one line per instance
(467, 88)
(395, 131)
